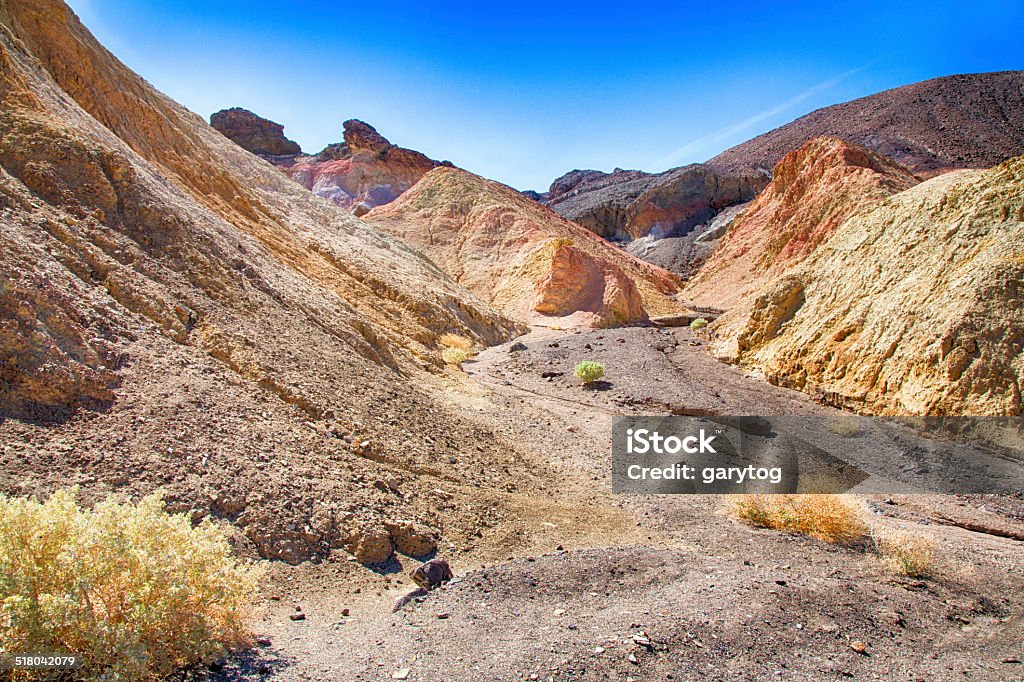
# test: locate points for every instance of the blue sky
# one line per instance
(523, 92)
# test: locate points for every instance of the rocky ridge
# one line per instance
(364, 171)
(814, 190)
(962, 121)
(523, 258)
(627, 204)
(254, 133)
(912, 307)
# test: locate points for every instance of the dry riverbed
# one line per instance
(604, 587)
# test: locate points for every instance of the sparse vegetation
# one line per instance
(454, 356)
(699, 323)
(847, 427)
(588, 371)
(457, 349)
(138, 592)
(905, 553)
(832, 518)
(456, 341)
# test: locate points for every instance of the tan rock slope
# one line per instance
(913, 307)
(176, 312)
(814, 190)
(528, 262)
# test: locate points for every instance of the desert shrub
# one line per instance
(454, 356)
(588, 371)
(847, 427)
(138, 592)
(905, 553)
(456, 341)
(699, 323)
(832, 518)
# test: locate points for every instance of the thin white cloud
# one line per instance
(728, 131)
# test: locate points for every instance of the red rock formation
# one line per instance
(577, 281)
(522, 257)
(814, 190)
(362, 172)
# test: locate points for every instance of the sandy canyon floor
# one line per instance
(683, 592)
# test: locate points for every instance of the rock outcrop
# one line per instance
(685, 255)
(253, 133)
(963, 121)
(176, 313)
(814, 190)
(362, 172)
(910, 308)
(523, 258)
(627, 204)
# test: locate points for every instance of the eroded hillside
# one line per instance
(912, 307)
(521, 257)
(963, 121)
(232, 338)
(364, 171)
(813, 190)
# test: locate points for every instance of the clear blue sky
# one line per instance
(524, 92)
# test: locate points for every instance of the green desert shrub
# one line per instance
(699, 323)
(136, 591)
(588, 371)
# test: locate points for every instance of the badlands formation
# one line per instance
(813, 190)
(362, 172)
(522, 258)
(629, 204)
(911, 306)
(180, 314)
(963, 121)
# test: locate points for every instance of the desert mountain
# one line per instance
(627, 204)
(964, 121)
(520, 256)
(231, 337)
(813, 190)
(910, 308)
(362, 172)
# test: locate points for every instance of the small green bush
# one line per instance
(139, 593)
(699, 323)
(588, 371)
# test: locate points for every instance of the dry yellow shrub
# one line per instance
(454, 356)
(138, 592)
(905, 553)
(456, 341)
(832, 518)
